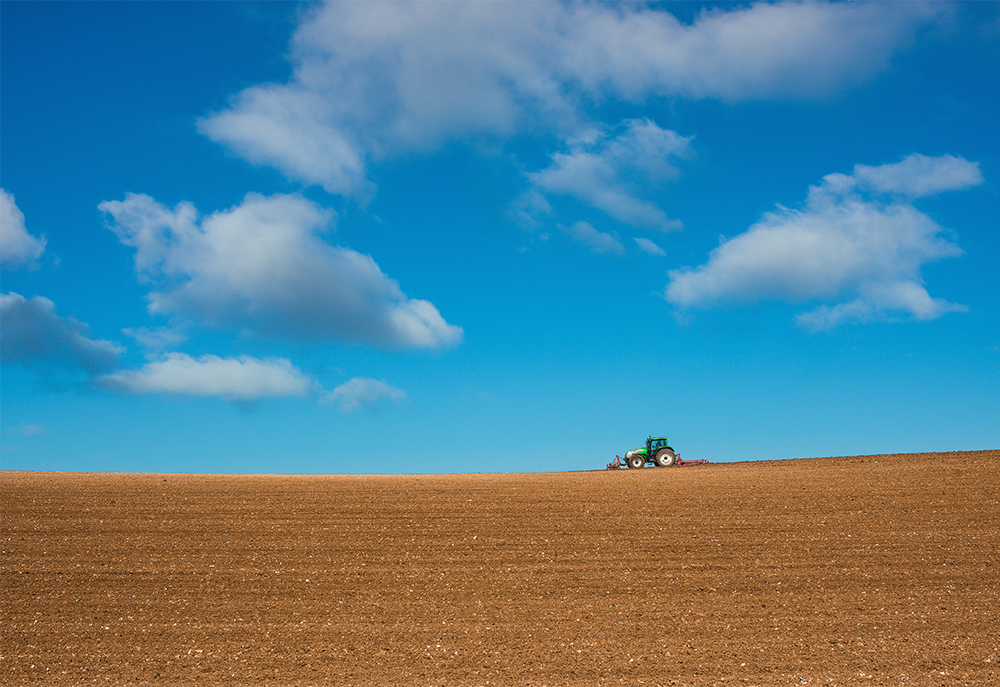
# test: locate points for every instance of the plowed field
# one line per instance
(874, 570)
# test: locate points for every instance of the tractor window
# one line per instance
(656, 443)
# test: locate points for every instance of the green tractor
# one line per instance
(656, 452)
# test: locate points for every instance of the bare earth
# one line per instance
(874, 570)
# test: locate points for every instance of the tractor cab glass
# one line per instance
(657, 443)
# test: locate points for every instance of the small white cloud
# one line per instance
(156, 340)
(528, 207)
(611, 173)
(845, 243)
(597, 241)
(917, 175)
(362, 392)
(241, 379)
(17, 247)
(28, 430)
(288, 128)
(262, 267)
(33, 335)
(648, 246)
(880, 302)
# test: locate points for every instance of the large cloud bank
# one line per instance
(262, 267)
(857, 246)
(376, 79)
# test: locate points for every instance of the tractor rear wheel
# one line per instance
(665, 457)
(636, 461)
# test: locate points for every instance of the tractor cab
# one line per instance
(653, 444)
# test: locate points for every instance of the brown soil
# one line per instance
(875, 570)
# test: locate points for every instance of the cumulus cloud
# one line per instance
(597, 241)
(612, 172)
(361, 392)
(17, 247)
(262, 267)
(858, 240)
(239, 379)
(376, 79)
(33, 335)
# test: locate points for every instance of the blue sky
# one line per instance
(497, 236)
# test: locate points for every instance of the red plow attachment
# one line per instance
(691, 462)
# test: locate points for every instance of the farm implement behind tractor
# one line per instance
(656, 452)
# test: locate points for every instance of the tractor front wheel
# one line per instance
(665, 458)
(636, 461)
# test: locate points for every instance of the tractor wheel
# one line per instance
(665, 458)
(636, 461)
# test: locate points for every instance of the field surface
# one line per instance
(873, 570)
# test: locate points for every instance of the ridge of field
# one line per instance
(868, 570)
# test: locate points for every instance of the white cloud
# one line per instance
(240, 379)
(376, 79)
(33, 335)
(362, 392)
(880, 302)
(528, 207)
(284, 128)
(597, 241)
(262, 267)
(916, 176)
(17, 246)
(28, 430)
(612, 172)
(156, 339)
(844, 244)
(648, 246)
